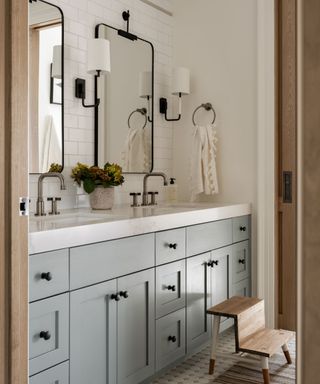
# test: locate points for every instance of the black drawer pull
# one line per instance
(173, 245)
(45, 335)
(46, 276)
(124, 294)
(172, 338)
(243, 228)
(212, 263)
(115, 297)
(171, 288)
(242, 261)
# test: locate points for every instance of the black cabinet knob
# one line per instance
(173, 245)
(212, 263)
(115, 297)
(243, 228)
(242, 261)
(45, 335)
(172, 338)
(46, 276)
(124, 294)
(171, 288)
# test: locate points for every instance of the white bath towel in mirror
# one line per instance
(204, 178)
(136, 153)
(51, 149)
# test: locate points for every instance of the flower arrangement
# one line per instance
(54, 167)
(92, 177)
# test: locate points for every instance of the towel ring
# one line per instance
(143, 112)
(207, 107)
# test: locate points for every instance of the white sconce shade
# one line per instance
(181, 81)
(145, 88)
(98, 56)
(57, 62)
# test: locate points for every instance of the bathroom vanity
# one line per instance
(117, 297)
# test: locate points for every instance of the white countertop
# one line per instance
(79, 227)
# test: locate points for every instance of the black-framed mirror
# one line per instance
(124, 119)
(46, 86)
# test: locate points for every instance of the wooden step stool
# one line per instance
(250, 332)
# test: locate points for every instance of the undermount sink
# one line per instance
(72, 216)
(68, 219)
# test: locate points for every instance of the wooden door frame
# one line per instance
(308, 192)
(286, 137)
(14, 183)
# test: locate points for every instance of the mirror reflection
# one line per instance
(126, 107)
(45, 86)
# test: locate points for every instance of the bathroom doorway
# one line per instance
(286, 169)
(14, 184)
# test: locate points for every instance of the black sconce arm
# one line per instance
(80, 93)
(164, 109)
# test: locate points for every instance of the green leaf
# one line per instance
(89, 185)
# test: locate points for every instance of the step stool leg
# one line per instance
(215, 335)
(265, 369)
(286, 353)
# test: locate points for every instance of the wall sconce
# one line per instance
(57, 62)
(98, 63)
(145, 89)
(181, 86)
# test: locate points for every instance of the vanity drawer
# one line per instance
(242, 288)
(170, 288)
(48, 333)
(48, 274)
(206, 237)
(170, 339)
(170, 245)
(240, 228)
(99, 262)
(240, 261)
(56, 375)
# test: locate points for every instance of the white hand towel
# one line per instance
(51, 149)
(204, 177)
(136, 152)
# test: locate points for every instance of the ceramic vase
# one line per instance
(102, 198)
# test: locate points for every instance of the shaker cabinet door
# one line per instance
(93, 322)
(198, 289)
(136, 327)
(220, 286)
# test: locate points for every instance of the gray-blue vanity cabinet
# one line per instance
(170, 245)
(240, 262)
(94, 263)
(208, 283)
(48, 332)
(170, 288)
(56, 375)
(198, 300)
(136, 327)
(113, 341)
(206, 237)
(170, 338)
(93, 338)
(48, 274)
(241, 228)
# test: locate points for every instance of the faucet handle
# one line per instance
(153, 197)
(54, 205)
(135, 198)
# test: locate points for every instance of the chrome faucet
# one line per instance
(145, 188)
(40, 202)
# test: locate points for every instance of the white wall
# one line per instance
(81, 16)
(217, 40)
